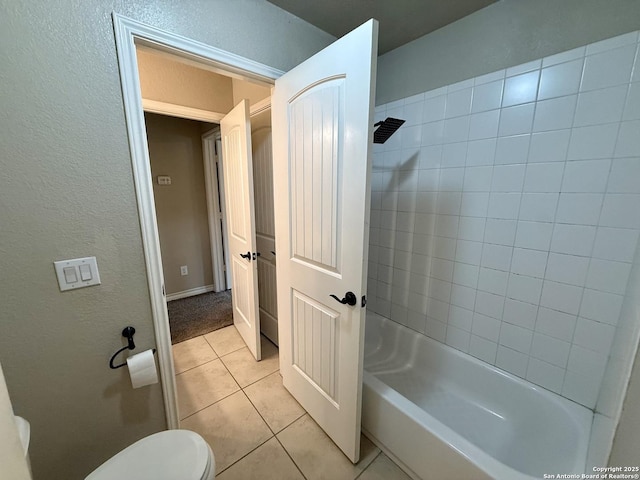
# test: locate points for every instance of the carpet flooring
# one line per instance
(194, 316)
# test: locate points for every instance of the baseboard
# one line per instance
(189, 293)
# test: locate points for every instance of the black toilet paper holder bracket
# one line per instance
(128, 334)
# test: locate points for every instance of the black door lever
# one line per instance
(349, 299)
(246, 255)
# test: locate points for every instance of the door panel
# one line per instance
(238, 180)
(322, 135)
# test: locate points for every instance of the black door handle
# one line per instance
(349, 299)
(246, 255)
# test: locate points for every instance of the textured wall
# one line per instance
(175, 149)
(506, 33)
(67, 191)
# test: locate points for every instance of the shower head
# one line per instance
(386, 128)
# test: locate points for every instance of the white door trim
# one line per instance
(128, 32)
(174, 110)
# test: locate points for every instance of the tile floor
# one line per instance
(254, 426)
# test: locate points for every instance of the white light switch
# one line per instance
(77, 273)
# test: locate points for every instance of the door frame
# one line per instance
(128, 34)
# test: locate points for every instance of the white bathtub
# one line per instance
(443, 414)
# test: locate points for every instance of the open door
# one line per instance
(238, 182)
(322, 136)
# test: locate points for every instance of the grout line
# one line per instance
(370, 463)
(197, 366)
(244, 456)
(211, 404)
(289, 455)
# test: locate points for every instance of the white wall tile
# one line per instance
(520, 313)
(454, 154)
(451, 179)
(438, 310)
(587, 362)
(468, 252)
(456, 129)
(561, 297)
(609, 68)
(412, 113)
(560, 80)
(621, 210)
(600, 106)
(489, 304)
(555, 114)
(563, 57)
(538, 207)
(601, 306)
(586, 176)
(515, 337)
(454, 87)
(474, 204)
(581, 389)
(516, 120)
(471, 228)
(497, 257)
(507, 178)
(489, 77)
(460, 318)
(484, 125)
(493, 281)
(632, 107)
(512, 150)
(458, 338)
(628, 139)
(543, 177)
(433, 109)
(487, 96)
(520, 89)
(512, 361)
(573, 239)
(567, 269)
(481, 152)
(624, 176)
(435, 92)
(486, 327)
(465, 275)
(430, 156)
(556, 324)
(612, 43)
(579, 208)
(504, 205)
(534, 235)
(546, 375)
(411, 136)
(529, 262)
(436, 330)
(458, 103)
(524, 67)
(525, 289)
(615, 244)
(592, 142)
(549, 146)
(483, 349)
(478, 179)
(417, 321)
(595, 336)
(550, 349)
(608, 276)
(463, 296)
(500, 232)
(432, 133)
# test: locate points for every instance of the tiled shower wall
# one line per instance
(506, 212)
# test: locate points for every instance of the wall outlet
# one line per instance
(184, 270)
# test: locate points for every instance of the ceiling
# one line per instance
(400, 20)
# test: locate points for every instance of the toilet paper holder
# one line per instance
(128, 334)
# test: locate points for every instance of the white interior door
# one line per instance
(322, 135)
(238, 181)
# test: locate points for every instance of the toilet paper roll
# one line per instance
(142, 369)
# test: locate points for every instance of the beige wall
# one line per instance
(171, 81)
(251, 91)
(67, 191)
(175, 149)
(504, 34)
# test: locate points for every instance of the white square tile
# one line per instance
(486, 327)
(439, 290)
(560, 80)
(609, 68)
(458, 338)
(447, 226)
(474, 204)
(500, 232)
(561, 297)
(621, 210)
(497, 257)
(489, 304)
(471, 228)
(624, 176)
(567, 269)
(442, 268)
(538, 207)
(512, 361)
(411, 136)
(507, 178)
(468, 252)
(433, 109)
(524, 67)
(405, 222)
(417, 303)
(592, 142)
(407, 202)
(608, 276)
(417, 321)
(586, 176)
(579, 208)
(456, 129)
(438, 310)
(478, 179)
(515, 337)
(399, 313)
(454, 154)
(543, 177)
(463, 296)
(600, 106)
(516, 120)
(535, 235)
(465, 275)
(523, 288)
(454, 87)
(581, 389)
(412, 114)
(601, 306)
(458, 103)
(546, 375)
(529, 262)
(628, 144)
(615, 244)
(512, 150)
(563, 57)
(430, 156)
(520, 313)
(520, 89)
(554, 114)
(550, 349)
(632, 106)
(481, 152)
(635, 76)
(595, 336)
(436, 330)
(556, 324)
(587, 362)
(427, 181)
(414, 99)
(612, 43)
(489, 77)
(493, 281)
(436, 92)
(432, 133)
(483, 349)
(484, 125)
(504, 205)
(549, 146)
(448, 203)
(573, 239)
(487, 96)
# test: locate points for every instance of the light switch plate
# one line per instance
(85, 269)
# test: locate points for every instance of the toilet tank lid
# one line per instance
(162, 456)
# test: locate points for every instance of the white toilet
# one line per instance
(169, 455)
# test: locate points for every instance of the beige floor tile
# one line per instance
(382, 468)
(192, 353)
(225, 340)
(201, 386)
(318, 457)
(267, 462)
(277, 407)
(232, 427)
(244, 367)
